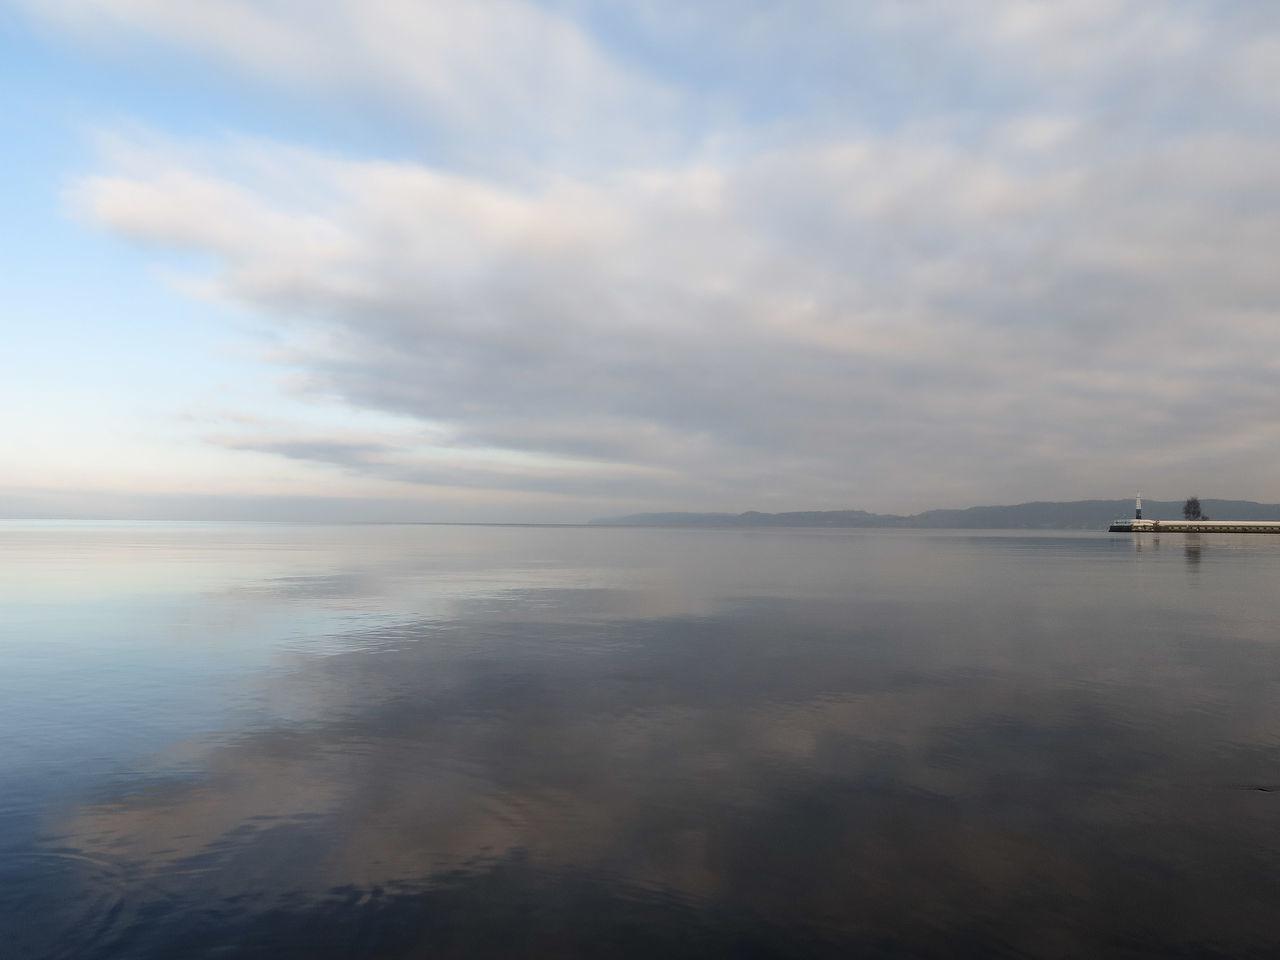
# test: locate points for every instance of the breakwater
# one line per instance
(1195, 526)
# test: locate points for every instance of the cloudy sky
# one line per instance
(518, 260)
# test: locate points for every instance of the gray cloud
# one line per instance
(1070, 294)
(345, 453)
(392, 461)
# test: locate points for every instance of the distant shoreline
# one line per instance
(1095, 515)
(1038, 515)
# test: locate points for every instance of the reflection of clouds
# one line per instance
(888, 738)
(852, 767)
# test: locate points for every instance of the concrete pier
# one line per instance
(1195, 526)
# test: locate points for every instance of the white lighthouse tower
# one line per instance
(1137, 524)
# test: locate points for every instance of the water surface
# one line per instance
(405, 741)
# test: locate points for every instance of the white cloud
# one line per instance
(811, 320)
(1049, 269)
(1255, 70)
(505, 72)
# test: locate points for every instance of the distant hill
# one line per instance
(1071, 515)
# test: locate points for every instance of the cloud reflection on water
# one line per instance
(812, 771)
(969, 760)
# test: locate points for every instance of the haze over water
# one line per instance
(401, 741)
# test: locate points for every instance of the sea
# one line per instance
(393, 741)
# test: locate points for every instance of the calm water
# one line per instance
(312, 742)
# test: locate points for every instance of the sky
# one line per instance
(470, 260)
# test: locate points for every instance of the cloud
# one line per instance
(1074, 290)
(323, 450)
(501, 72)
(421, 463)
(829, 310)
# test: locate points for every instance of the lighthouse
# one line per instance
(1137, 507)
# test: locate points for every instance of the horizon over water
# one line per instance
(399, 740)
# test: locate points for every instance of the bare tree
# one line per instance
(1191, 509)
